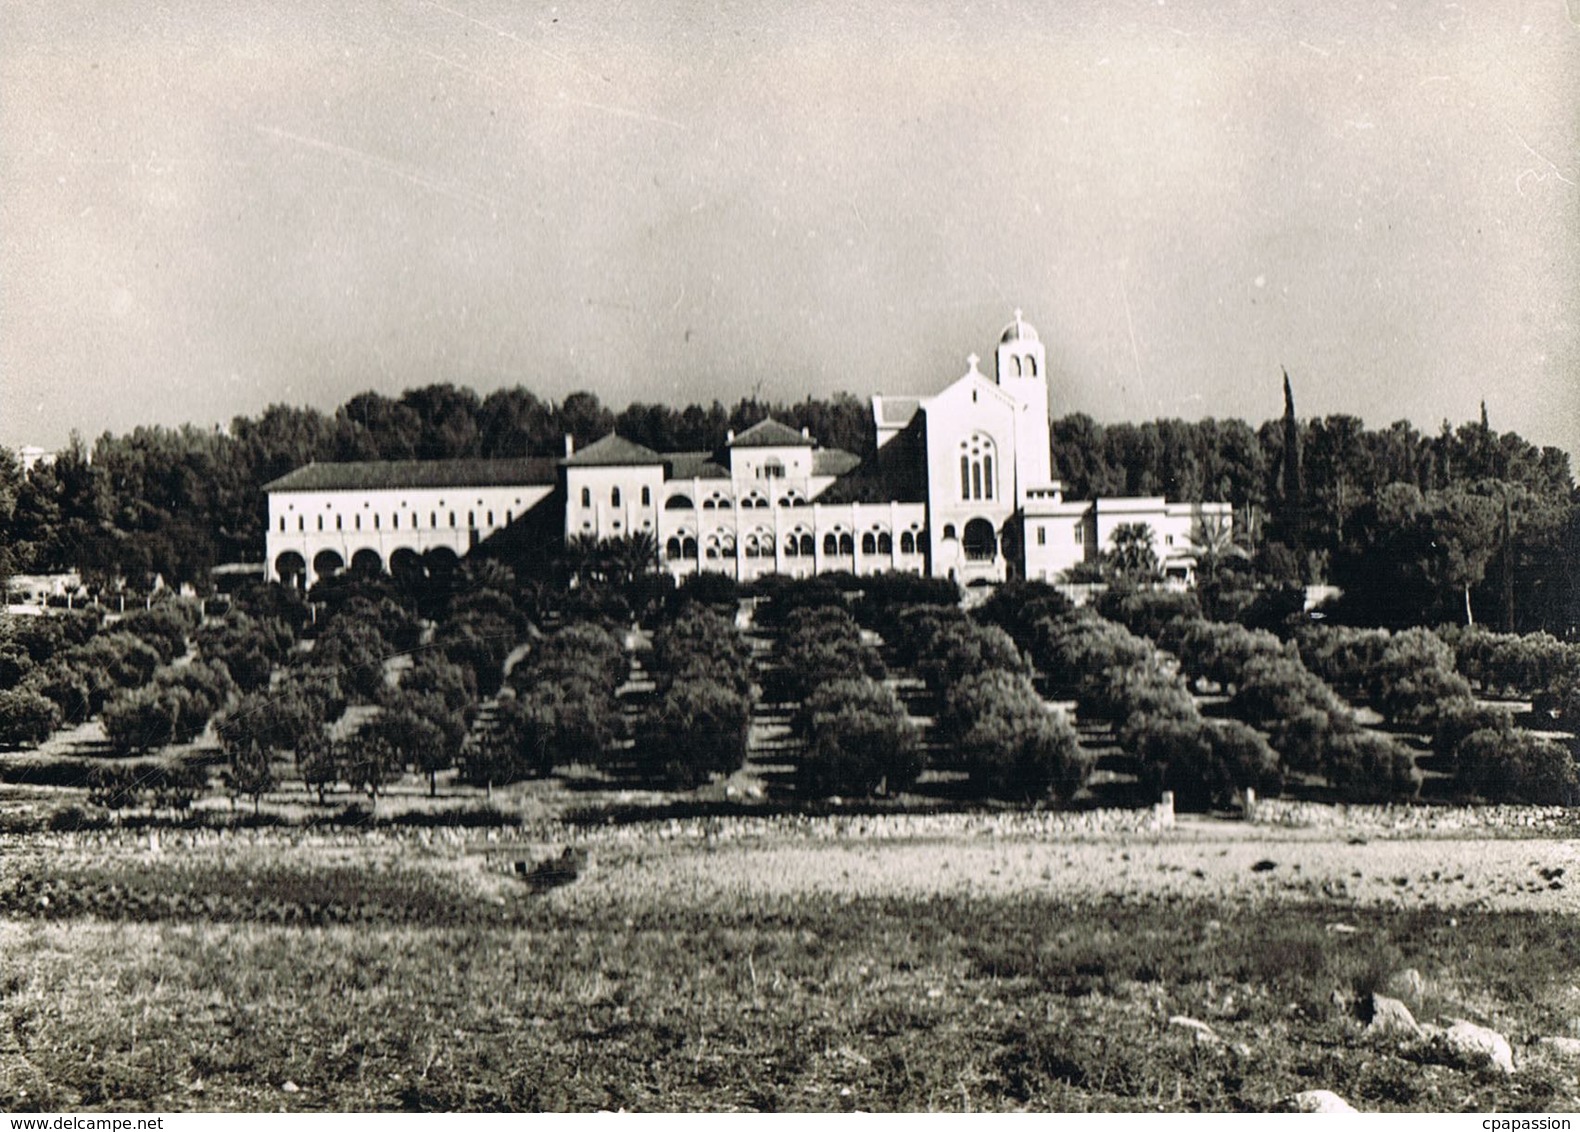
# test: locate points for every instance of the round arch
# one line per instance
(367, 561)
(327, 563)
(290, 568)
(979, 541)
(406, 563)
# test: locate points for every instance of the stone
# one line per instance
(1317, 1100)
(290, 1087)
(1407, 984)
(1568, 1049)
(1203, 1032)
(1391, 1017)
(1478, 1046)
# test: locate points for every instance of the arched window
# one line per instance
(672, 548)
(614, 497)
(1031, 365)
(678, 503)
(771, 470)
(707, 504)
(688, 548)
(808, 546)
(885, 543)
(976, 467)
(907, 543)
(790, 547)
(647, 497)
(831, 543)
(949, 530)
(980, 542)
(586, 497)
(847, 544)
(337, 522)
(301, 522)
(395, 521)
(282, 524)
(869, 543)
(1014, 365)
(320, 522)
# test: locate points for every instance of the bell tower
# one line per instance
(1023, 373)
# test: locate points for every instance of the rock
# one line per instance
(1408, 985)
(1391, 1017)
(290, 1087)
(1341, 929)
(1568, 1049)
(1478, 1046)
(1203, 1032)
(1317, 1100)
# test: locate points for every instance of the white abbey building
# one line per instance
(961, 487)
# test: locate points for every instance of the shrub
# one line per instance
(1271, 688)
(552, 724)
(27, 718)
(1071, 649)
(917, 628)
(819, 644)
(250, 648)
(1219, 651)
(701, 645)
(1302, 738)
(1458, 717)
(1008, 741)
(971, 649)
(1205, 763)
(586, 649)
(1153, 688)
(705, 588)
(885, 596)
(1148, 613)
(66, 688)
(1017, 607)
(1367, 767)
(861, 741)
(1414, 673)
(1516, 766)
(1024, 755)
(695, 729)
(1342, 656)
(357, 651)
(163, 626)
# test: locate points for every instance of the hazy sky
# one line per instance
(206, 207)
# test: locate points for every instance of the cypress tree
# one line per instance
(1294, 486)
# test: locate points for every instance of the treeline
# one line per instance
(176, 502)
(1465, 524)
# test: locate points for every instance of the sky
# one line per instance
(208, 208)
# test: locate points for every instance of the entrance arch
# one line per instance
(291, 568)
(406, 564)
(979, 541)
(367, 561)
(327, 563)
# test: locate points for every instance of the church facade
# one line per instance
(960, 487)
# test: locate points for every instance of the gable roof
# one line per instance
(895, 412)
(694, 465)
(613, 449)
(373, 475)
(833, 462)
(769, 433)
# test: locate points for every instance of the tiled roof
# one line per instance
(897, 412)
(695, 465)
(614, 449)
(373, 475)
(833, 462)
(770, 434)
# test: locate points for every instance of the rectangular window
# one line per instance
(282, 524)
(1042, 536)
(1080, 534)
(965, 477)
(339, 520)
(987, 475)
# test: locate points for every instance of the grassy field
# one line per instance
(307, 975)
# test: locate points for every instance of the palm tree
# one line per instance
(630, 556)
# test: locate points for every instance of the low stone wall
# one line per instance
(1418, 820)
